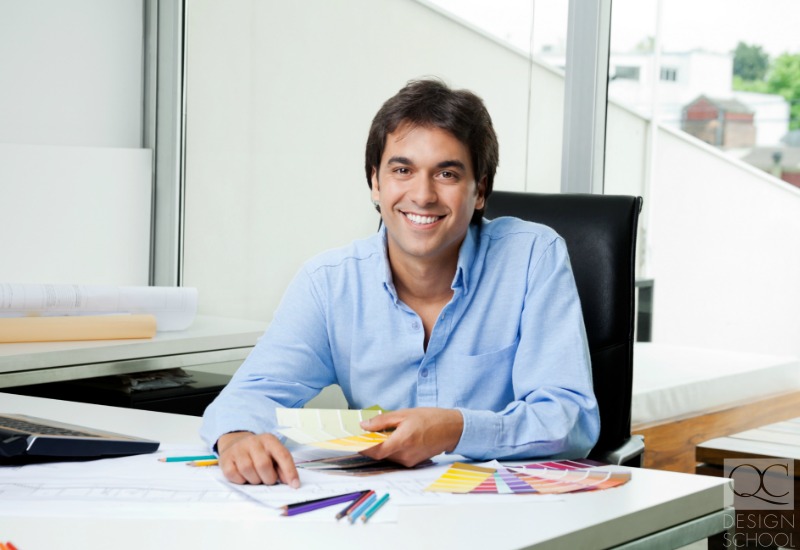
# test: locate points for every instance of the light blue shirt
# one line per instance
(509, 350)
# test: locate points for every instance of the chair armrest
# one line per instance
(630, 451)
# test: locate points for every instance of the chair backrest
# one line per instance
(600, 232)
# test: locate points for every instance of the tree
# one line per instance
(750, 62)
(784, 79)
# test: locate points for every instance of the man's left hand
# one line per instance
(418, 434)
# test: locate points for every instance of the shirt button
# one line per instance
(415, 325)
(424, 373)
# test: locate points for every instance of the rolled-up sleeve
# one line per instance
(289, 365)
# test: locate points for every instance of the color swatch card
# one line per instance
(333, 429)
(544, 478)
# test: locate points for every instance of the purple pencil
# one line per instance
(303, 507)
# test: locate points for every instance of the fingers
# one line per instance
(383, 421)
(256, 459)
(418, 434)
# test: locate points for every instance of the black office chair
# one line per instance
(600, 232)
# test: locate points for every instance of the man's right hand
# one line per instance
(249, 458)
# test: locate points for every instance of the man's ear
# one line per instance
(376, 192)
(480, 190)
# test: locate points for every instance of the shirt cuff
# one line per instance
(479, 436)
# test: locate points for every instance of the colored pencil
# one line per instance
(350, 506)
(354, 494)
(311, 505)
(359, 502)
(203, 463)
(186, 458)
(362, 507)
(375, 507)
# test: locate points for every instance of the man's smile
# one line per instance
(419, 219)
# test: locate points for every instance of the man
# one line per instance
(469, 330)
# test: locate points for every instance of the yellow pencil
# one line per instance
(213, 462)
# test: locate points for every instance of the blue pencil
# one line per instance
(353, 505)
(364, 506)
(375, 507)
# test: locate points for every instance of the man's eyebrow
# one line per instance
(444, 164)
(452, 164)
(400, 160)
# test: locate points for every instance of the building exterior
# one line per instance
(725, 123)
(682, 77)
(782, 162)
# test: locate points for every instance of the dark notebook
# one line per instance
(29, 439)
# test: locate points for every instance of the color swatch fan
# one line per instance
(544, 478)
(333, 429)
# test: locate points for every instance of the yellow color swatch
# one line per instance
(460, 478)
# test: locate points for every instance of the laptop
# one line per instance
(25, 439)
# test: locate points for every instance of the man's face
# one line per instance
(427, 193)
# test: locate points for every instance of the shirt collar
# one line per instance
(386, 272)
(466, 257)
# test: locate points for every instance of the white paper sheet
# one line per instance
(138, 485)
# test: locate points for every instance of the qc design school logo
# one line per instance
(761, 483)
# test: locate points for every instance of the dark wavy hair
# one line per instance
(430, 102)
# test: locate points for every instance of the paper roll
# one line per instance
(77, 327)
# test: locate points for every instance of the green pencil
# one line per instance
(375, 507)
(186, 458)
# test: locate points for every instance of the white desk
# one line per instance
(655, 509)
(210, 340)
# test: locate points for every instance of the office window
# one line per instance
(75, 177)
(698, 137)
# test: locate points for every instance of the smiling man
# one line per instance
(469, 330)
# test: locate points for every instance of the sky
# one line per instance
(713, 25)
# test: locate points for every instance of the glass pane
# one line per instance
(536, 29)
(703, 118)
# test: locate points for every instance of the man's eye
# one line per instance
(402, 170)
(449, 175)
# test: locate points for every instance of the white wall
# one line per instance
(280, 98)
(75, 186)
(626, 168)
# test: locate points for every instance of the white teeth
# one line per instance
(421, 219)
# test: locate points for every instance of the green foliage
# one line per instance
(750, 62)
(741, 85)
(784, 79)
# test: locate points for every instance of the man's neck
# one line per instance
(420, 280)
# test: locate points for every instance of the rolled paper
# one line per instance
(76, 327)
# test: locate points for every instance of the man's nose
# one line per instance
(423, 190)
